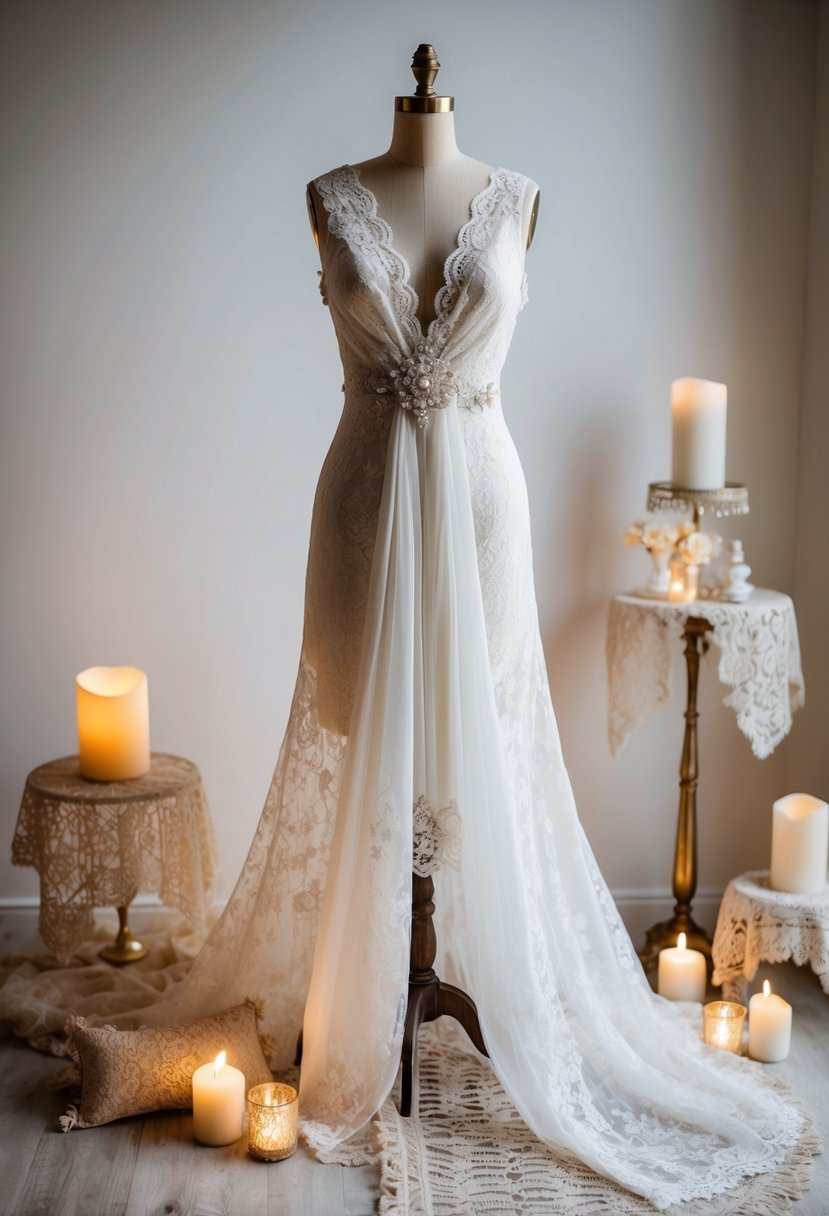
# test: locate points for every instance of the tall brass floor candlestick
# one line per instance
(685, 854)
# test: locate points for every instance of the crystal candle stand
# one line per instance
(732, 499)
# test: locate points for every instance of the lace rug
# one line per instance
(467, 1151)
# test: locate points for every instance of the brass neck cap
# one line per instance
(425, 67)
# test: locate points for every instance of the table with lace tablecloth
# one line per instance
(97, 843)
(759, 660)
(757, 925)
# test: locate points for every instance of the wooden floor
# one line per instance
(152, 1167)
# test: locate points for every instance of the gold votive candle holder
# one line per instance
(722, 1025)
(273, 1121)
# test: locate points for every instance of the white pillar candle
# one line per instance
(769, 1026)
(683, 973)
(799, 844)
(113, 723)
(218, 1102)
(698, 412)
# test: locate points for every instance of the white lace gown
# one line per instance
(422, 725)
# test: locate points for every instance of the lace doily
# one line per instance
(758, 925)
(96, 844)
(759, 661)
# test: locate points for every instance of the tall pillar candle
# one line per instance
(769, 1026)
(218, 1102)
(698, 413)
(799, 844)
(113, 723)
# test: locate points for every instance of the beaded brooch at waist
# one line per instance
(420, 383)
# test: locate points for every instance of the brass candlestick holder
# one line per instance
(732, 499)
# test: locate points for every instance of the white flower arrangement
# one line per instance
(678, 540)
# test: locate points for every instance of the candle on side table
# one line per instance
(683, 973)
(218, 1102)
(799, 844)
(769, 1026)
(698, 413)
(113, 723)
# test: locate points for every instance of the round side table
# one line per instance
(759, 925)
(98, 843)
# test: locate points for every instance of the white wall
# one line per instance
(170, 380)
(809, 755)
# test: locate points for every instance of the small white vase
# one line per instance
(659, 579)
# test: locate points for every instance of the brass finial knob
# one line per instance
(425, 67)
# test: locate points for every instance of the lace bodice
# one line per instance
(367, 284)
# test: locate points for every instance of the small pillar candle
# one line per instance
(769, 1026)
(218, 1102)
(722, 1025)
(273, 1121)
(799, 844)
(683, 973)
(698, 413)
(113, 723)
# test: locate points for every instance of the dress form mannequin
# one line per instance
(424, 188)
(423, 185)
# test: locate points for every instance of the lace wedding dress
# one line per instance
(422, 728)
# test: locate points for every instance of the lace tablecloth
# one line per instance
(758, 925)
(97, 843)
(759, 660)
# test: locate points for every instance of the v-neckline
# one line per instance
(407, 311)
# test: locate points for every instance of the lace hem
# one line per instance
(432, 1164)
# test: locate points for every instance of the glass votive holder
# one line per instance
(722, 1025)
(273, 1121)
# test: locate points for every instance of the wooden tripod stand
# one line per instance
(429, 997)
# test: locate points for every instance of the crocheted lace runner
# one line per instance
(468, 1151)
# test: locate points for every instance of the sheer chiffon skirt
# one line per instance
(451, 704)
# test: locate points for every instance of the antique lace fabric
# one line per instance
(758, 924)
(422, 727)
(759, 660)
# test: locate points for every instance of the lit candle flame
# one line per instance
(766, 988)
(221, 1060)
(682, 940)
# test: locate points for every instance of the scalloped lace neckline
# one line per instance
(446, 295)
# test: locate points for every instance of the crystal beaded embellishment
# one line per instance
(422, 382)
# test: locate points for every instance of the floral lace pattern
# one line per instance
(759, 661)
(756, 925)
(437, 837)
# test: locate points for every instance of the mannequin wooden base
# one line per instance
(429, 997)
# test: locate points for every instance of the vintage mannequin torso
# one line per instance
(423, 186)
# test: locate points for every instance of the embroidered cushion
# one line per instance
(131, 1072)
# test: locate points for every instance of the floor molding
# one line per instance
(640, 908)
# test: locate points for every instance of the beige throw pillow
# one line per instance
(131, 1072)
